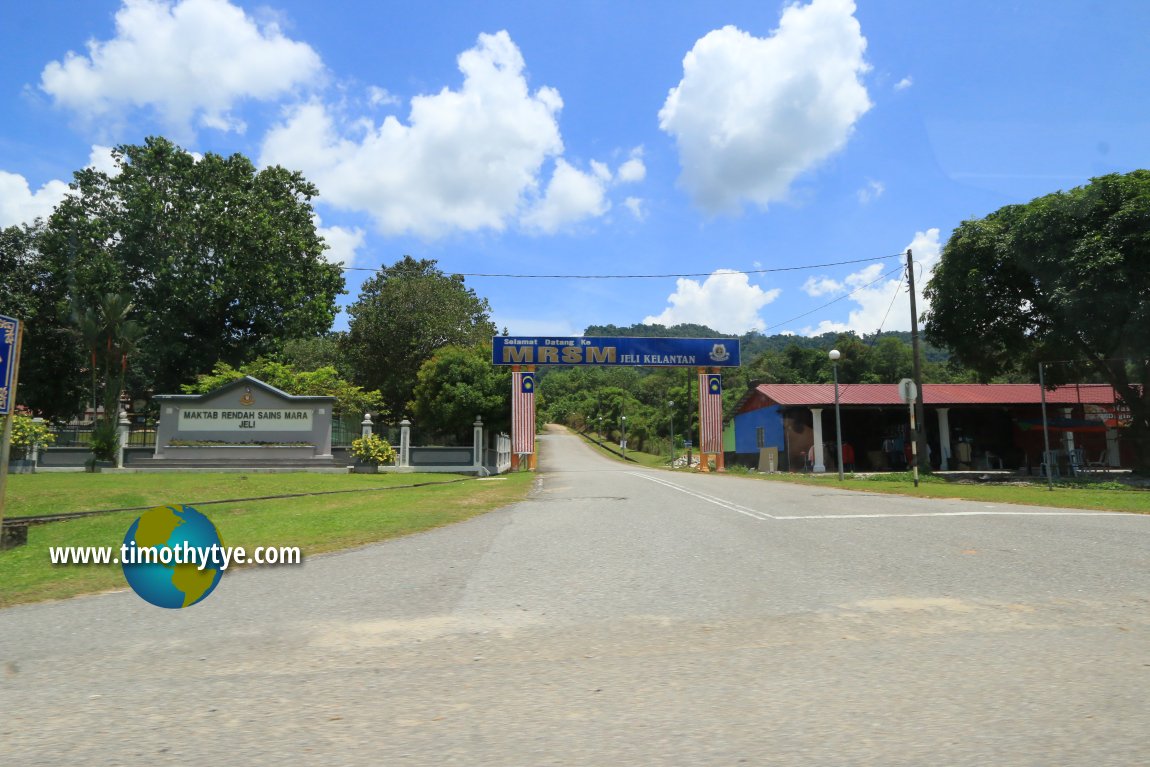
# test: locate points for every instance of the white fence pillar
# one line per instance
(124, 429)
(477, 443)
(404, 443)
(35, 454)
(367, 426)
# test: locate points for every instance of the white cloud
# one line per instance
(571, 196)
(725, 301)
(101, 159)
(636, 206)
(877, 305)
(466, 159)
(191, 61)
(377, 96)
(633, 170)
(904, 83)
(342, 243)
(821, 286)
(872, 191)
(752, 114)
(20, 205)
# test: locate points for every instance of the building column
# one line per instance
(1113, 456)
(1068, 436)
(817, 419)
(944, 438)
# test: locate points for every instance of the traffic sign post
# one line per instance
(11, 334)
(908, 393)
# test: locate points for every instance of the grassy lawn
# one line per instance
(1105, 496)
(315, 524)
(643, 459)
(33, 494)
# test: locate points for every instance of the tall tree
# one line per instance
(1063, 277)
(403, 315)
(52, 367)
(222, 261)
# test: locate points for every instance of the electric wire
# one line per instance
(647, 276)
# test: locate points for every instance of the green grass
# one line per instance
(316, 524)
(1103, 496)
(643, 459)
(51, 493)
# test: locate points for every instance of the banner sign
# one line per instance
(639, 352)
(9, 333)
(222, 419)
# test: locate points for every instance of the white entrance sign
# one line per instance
(221, 419)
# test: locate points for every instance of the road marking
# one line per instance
(760, 515)
(960, 514)
(763, 516)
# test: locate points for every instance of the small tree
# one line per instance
(110, 338)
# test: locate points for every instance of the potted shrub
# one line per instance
(105, 444)
(369, 452)
(26, 434)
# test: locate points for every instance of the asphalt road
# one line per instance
(624, 616)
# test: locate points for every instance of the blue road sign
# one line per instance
(591, 350)
(9, 335)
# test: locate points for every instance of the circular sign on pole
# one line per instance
(907, 391)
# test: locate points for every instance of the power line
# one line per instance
(646, 276)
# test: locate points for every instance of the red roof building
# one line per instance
(968, 426)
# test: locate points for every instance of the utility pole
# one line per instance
(919, 435)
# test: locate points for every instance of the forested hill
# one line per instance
(755, 343)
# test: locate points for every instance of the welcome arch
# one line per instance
(524, 353)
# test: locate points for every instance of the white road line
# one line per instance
(761, 515)
(963, 514)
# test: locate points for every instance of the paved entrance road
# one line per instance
(624, 617)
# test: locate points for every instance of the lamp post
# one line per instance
(834, 355)
(600, 430)
(671, 410)
(623, 442)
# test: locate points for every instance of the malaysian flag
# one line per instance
(522, 413)
(711, 412)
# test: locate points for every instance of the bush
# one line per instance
(105, 441)
(372, 449)
(26, 433)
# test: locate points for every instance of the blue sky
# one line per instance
(604, 138)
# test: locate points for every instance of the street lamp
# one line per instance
(671, 405)
(600, 430)
(834, 355)
(623, 443)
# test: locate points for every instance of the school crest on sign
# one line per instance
(719, 353)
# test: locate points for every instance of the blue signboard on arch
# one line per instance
(9, 336)
(630, 352)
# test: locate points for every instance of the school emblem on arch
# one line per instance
(719, 353)
(246, 399)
